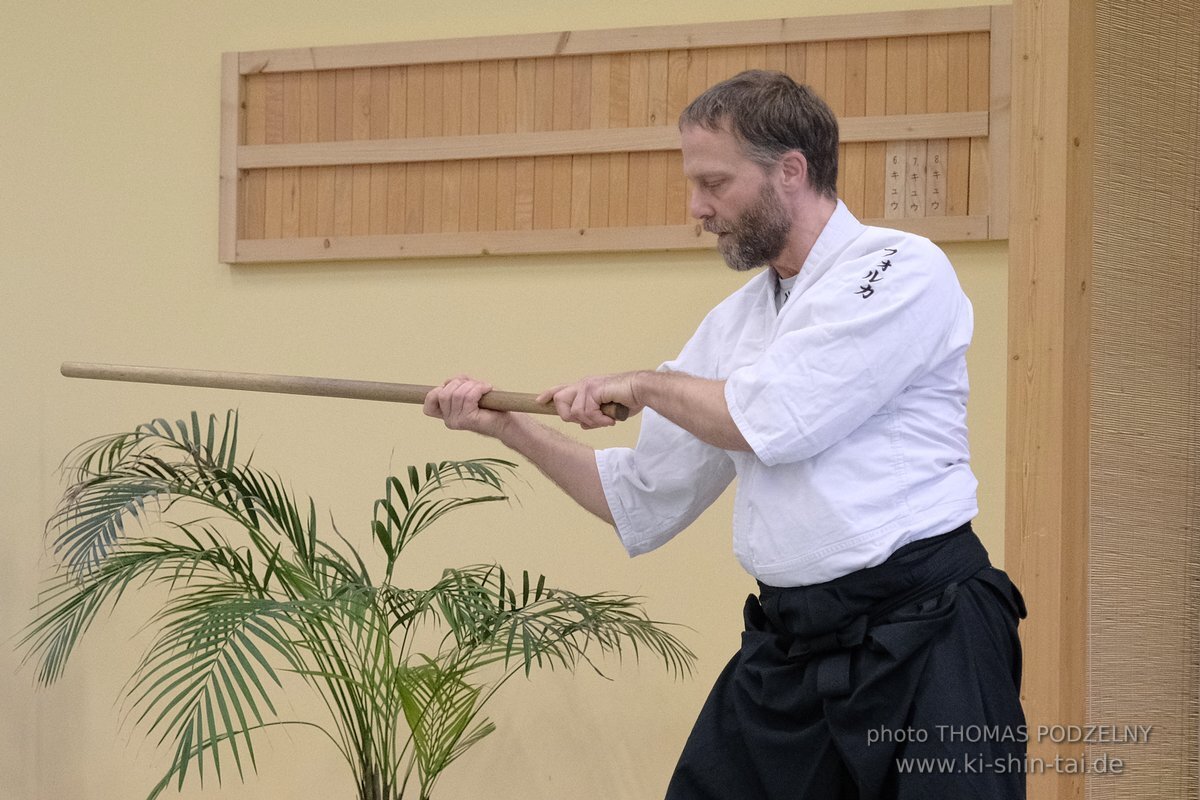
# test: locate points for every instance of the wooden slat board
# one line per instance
(568, 142)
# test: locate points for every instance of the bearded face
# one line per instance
(757, 236)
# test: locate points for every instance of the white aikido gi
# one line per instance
(853, 397)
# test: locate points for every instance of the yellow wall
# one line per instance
(108, 214)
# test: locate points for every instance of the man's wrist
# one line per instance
(641, 387)
(511, 428)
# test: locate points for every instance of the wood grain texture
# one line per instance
(936, 102)
(326, 132)
(527, 135)
(506, 241)
(958, 166)
(875, 155)
(254, 131)
(273, 131)
(853, 165)
(309, 109)
(999, 120)
(311, 386)
(232, 182)
(621, 40)
(290, 177)
(978, 99)
(899, 127)
(917, 86)
(1049, 376)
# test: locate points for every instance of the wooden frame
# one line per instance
(566, 142)
(1049, 369)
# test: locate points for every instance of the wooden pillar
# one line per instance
(1050, 252)
(1104, 414)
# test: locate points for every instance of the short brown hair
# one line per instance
(770, 114)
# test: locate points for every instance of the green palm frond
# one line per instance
(271, 507)
(421, 504)
(254, 591)
(202, 682)
(541, 626)
(440, 706)
(69, 604)
(93, 517)
(114, 477)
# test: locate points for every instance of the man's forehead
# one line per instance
(711, 150)
(703, 135)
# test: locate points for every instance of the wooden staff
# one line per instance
(317, 387)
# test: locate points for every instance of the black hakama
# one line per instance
(897, 681)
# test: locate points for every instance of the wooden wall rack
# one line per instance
(567, 141)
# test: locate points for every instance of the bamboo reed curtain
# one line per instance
(1143, 570)
(568, 142)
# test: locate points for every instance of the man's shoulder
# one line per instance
(890, 243)
(879, 250)
(883, 266)
(741, 299)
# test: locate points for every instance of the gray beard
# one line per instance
(758, 235)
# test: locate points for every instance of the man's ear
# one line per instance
(793, 168)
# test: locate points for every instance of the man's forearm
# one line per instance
(570, 464)
(695, 404)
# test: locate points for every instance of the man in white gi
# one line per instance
(833, 385)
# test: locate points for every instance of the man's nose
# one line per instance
(698, 205)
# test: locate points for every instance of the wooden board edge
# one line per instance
(473, 244)
(615, 40)
(1000, 120)
(570, 240)
(230, 138)
(600, 140)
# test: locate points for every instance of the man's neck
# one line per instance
(807, 225)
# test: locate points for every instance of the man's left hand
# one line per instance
(579, 402)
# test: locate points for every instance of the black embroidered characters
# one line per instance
(876, 274)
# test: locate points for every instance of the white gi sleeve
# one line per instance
(871, 333)
(657, 488)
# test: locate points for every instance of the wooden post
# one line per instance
(231, 139)
(1050, 251)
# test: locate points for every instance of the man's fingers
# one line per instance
(437, 401)
(579, 405)
(446, 400)
(432, 405)
(464, 398)
(562, 398)
(456, 400)
(590, 411)
(548, 395)
(579, 402)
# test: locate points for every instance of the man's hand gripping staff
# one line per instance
(695, 404)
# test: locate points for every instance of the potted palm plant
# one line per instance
(257, 589)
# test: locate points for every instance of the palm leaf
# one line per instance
(396, 524)
(203, 680)
(544, 626)
(439, 706)
(253, 592)
(69, 604)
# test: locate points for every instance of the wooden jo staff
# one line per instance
(316, 387)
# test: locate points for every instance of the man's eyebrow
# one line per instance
(707, 174)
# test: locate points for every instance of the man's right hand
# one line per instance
(570, 464)
(456, 402)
